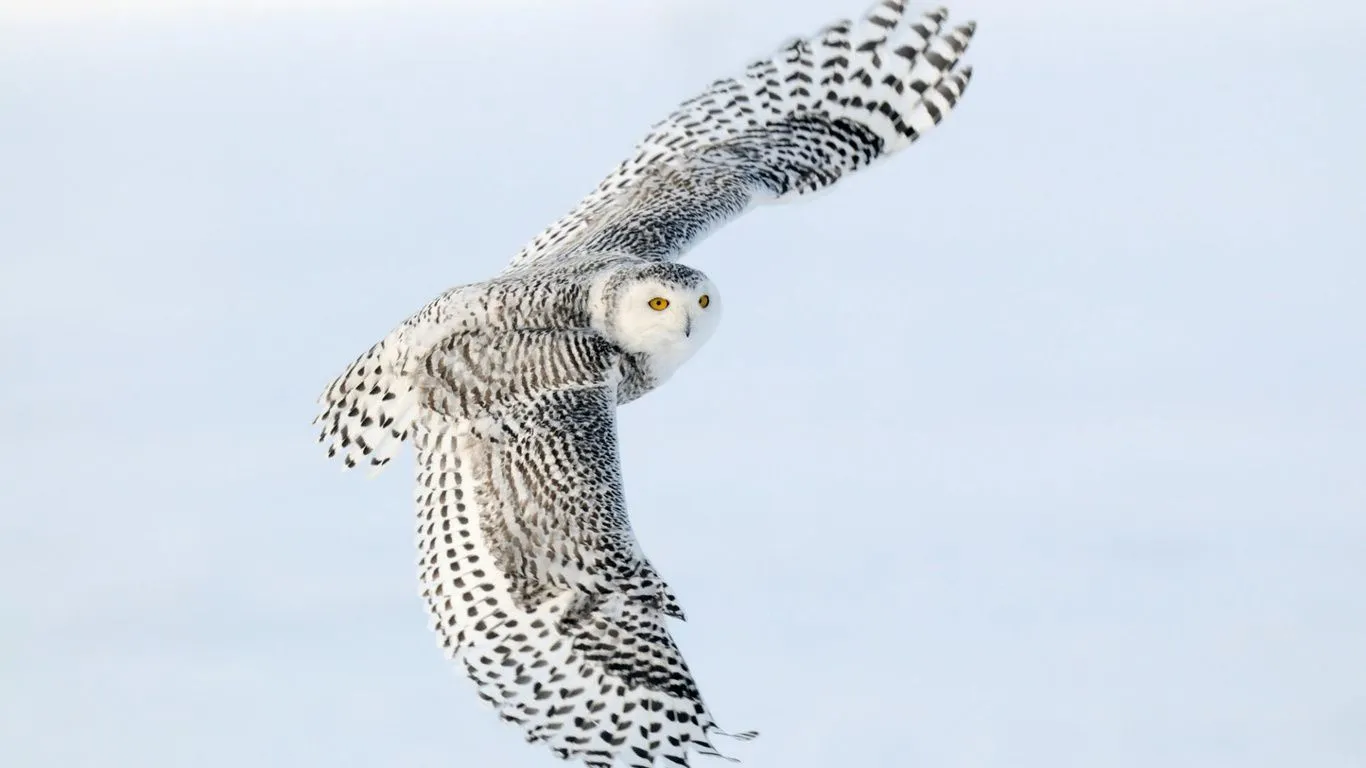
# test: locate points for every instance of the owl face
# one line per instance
(662, 311)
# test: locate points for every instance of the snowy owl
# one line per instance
(509, 387)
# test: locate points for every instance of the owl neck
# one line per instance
(637, 378)
(661, 364)
(641, 373)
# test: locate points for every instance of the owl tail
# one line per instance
(368, 411)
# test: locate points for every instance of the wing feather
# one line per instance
(529, 568)
(790, 125)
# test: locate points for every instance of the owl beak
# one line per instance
(687, 326)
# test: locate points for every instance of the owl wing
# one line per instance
(529, 567)
(791, 124)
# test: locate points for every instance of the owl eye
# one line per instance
(659, 303)
(703, 301)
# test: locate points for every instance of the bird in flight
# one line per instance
(508, 388)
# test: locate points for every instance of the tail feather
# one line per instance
(368, 411)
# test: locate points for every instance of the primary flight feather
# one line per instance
(509, 387)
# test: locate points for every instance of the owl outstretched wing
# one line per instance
(528, 565)
(791, 124)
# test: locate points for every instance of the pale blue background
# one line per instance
(1043, 444)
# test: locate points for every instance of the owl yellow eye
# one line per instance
(659, 303)
(703, 301)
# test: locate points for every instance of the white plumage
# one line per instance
(509, 387)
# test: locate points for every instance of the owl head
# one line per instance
(663, 311)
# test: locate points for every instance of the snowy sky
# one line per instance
(1043, 444)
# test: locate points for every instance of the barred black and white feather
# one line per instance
(367, 412)
(791, 124)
